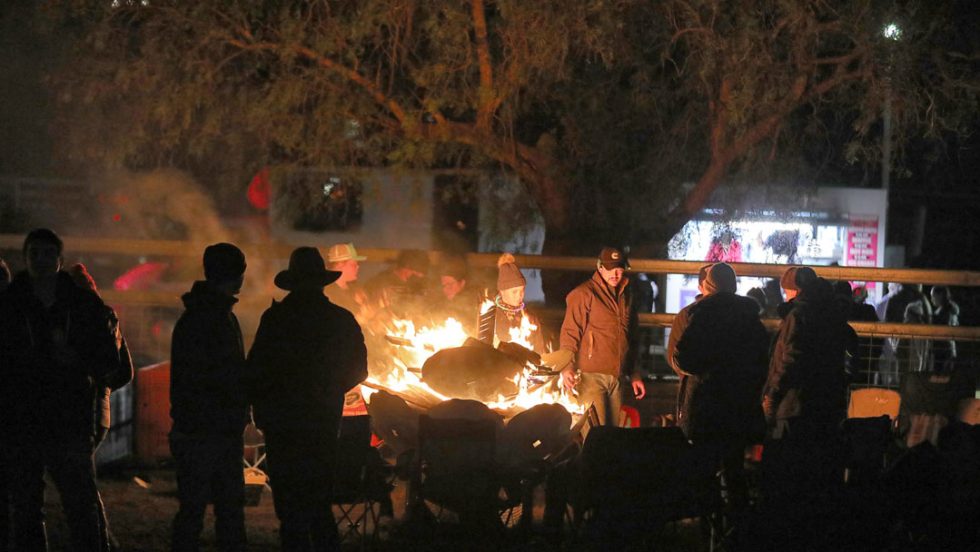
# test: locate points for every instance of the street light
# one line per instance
(892, 31)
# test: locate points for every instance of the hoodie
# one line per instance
(207, 359)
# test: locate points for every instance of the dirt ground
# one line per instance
(142, 503)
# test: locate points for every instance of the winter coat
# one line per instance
(807, 376)
(207, 363)
(600, 323)
(945, 350)
(719, 348)
(505, 321)
(307, 353)
(44, 400)
(119, 377)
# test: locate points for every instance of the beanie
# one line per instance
(223, 262)
(508, 275)
(720, 279)
(797, 277)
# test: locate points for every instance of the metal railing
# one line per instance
(280, 252)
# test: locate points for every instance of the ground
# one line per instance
(141, 505)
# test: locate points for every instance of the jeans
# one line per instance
(209, 469)
(300, 467)
(604, 391)
(73, 471)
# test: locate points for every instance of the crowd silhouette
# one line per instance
(824, 481)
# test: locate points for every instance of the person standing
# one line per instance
(114, 380)
(4, 494)
(719, 348)
(805, 395)
(599, 326)
(56, 350)
(208, 404)
(346, 291)
(307, 353)
(510, 311)
(946, 313)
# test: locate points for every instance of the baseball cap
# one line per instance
(611, 258)
(340, 252)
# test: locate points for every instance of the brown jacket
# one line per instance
(599, 325)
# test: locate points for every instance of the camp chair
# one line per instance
(456, 468)
(253, 460)
(866, 444)
(254, 454)
(631, 480)
(929, 401)
(872, 402)
(361, 481)
(969, 411)
(629, 417)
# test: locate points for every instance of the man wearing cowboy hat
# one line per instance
(307, 353)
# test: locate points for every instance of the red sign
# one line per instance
(862, 242)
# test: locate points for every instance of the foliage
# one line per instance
(620, 116)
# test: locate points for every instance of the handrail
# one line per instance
(281, 251)
(661, 320)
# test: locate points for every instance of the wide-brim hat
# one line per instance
(305, 268)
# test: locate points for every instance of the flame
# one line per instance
(522, 334)
(423, 342)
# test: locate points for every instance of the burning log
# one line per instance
(477, 372)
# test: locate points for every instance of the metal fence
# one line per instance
(148, 315)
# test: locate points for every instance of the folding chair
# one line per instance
(629, 417)
(630, 480)
(253, 459)
(866, 442)
(254, 454)
(361, 481)
(929, 401)
(457, 470)
(872, 402)
(969, 411)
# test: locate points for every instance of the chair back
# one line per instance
(351, 458)
(866, 442)
(629, 417)
(646, 473)
(969, 411)
(456, 461)
(873, 402)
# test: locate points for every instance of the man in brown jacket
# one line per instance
(600, 323)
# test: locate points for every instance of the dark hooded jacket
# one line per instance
(719, 348)
(807, 377)
(43, 400)
(207, 362)
(119, 377)
(599, 326)
(307, 353)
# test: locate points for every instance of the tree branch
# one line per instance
(351, 75)
(487, 99)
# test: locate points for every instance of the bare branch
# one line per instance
(487, 99)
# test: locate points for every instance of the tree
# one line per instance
(620, 117)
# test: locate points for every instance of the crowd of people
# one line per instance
(62, 354)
